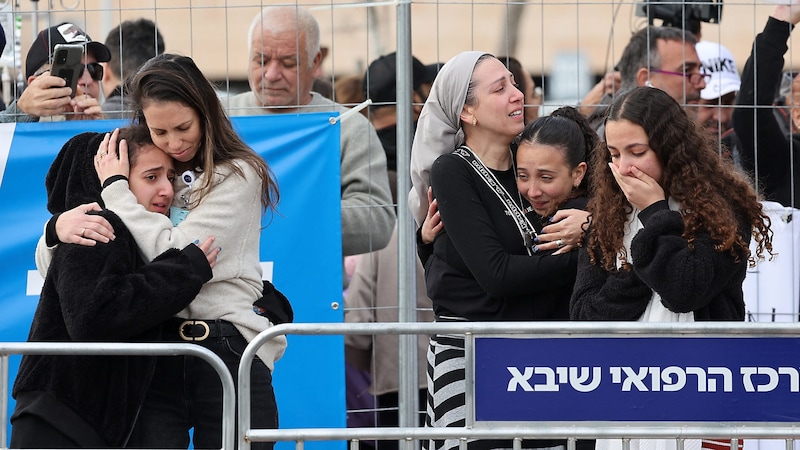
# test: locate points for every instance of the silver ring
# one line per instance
(559, 243)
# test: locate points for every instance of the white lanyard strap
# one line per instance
(524, 225)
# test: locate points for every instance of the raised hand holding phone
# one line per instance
(68, 64)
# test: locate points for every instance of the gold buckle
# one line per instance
(203, 324)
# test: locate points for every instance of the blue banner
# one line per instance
(680, 379)
(300, 245)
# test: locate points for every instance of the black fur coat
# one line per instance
(104, 293)
(700, 280)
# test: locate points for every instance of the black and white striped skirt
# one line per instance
(447, 397)
(446, 388)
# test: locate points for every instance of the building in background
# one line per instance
(211, 31)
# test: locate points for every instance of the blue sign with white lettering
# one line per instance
(658, 379)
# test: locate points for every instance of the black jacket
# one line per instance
(766, 149)
(703, 280)
(104, 293)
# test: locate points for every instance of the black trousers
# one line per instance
(389, 414)
(30, 431)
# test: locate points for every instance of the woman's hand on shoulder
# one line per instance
(77, 227)
(110, 160)
(565, 231)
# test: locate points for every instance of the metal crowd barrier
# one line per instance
(119, 349)
(788, 431)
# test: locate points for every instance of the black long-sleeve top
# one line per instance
(700, 280)
(766, 151)
(104, 293)
(480, 269)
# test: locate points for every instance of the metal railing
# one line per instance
(120, 349)
(788, 431)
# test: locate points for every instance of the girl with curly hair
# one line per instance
(671, 223)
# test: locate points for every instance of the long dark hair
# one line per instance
(175, 78)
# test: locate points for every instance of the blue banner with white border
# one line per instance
(300, 245)
(638, 379)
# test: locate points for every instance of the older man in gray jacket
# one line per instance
(284, 56)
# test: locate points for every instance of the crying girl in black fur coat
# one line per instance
(102, 293)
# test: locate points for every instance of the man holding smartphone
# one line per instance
(47, 95)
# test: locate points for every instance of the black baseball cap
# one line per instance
(380, 81)
(64, 33)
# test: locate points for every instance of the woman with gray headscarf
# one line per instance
(483, 266)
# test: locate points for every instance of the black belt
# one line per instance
(199, 330)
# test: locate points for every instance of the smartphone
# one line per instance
(67, 64)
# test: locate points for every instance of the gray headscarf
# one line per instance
(439, 126)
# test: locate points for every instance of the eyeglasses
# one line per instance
(694, 77)
(95, 71)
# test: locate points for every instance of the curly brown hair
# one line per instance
(714, 197)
